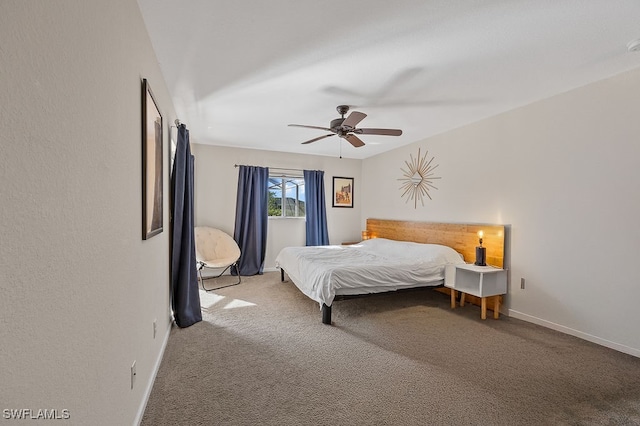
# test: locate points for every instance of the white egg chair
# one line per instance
(215, 249)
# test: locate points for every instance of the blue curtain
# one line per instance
(251, 219)
(316, 210)
(185, 299)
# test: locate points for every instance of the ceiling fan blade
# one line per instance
(386, 132)
(311, 127)
(354, 140)
(353, 119)
(318, 138)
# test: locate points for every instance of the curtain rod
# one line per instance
(274, 168)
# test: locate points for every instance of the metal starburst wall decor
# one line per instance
(418, 178)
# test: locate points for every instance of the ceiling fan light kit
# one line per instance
(346, 128)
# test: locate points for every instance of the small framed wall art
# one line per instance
(152, 196)
(342, 192)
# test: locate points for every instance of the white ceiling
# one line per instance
(240, 71)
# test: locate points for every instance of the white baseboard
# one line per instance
(274, 269)
(152, 379)
(585, 336)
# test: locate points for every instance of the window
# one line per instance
(286, 196)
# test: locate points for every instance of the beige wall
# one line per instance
(80, 289)
(563, 173)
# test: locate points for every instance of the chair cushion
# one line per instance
(215, 248)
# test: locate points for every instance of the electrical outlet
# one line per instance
(155, 327)
(133, 374)
(522, 283)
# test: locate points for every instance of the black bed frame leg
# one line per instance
(326, 314)
(326, 310)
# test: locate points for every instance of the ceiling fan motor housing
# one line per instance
(336, 123)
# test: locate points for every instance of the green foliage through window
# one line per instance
(286, 196)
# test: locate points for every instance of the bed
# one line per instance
(400, 254)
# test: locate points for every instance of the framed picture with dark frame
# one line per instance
(152, 195)
(342, 192)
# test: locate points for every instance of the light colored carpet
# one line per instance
(261, 356)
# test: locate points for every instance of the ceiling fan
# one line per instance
(346, 128)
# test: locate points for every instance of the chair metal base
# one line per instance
(201, 266)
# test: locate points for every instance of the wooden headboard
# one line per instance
(461, 237)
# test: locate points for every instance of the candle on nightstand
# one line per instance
(481, 252)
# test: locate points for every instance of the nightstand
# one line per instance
(479, 281)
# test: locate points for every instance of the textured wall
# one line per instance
(563, 173)
(80, 289)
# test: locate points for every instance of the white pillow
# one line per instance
(410, 250)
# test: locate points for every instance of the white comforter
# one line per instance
(372, 266)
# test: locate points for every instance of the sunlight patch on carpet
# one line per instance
(207, 300)
(236, 303)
